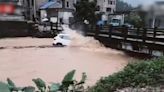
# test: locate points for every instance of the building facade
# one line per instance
(12, 10)
(69, 4)
(154, 15)
(62, 9)
(107, 6)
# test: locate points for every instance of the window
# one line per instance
(116, 21)
(111, 2)
(98, 8)
(66, 38)
(108, 9)
(32, 2)
(67, 3)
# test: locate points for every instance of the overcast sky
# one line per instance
(137, 2)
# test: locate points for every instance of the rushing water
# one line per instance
(87, 43)
(51, 64)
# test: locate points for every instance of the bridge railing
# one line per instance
(152, 38)
(138, 33)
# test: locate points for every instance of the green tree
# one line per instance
(123, 6)
(134, 19)
(85, 10)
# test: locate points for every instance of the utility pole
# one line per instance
(34, 9)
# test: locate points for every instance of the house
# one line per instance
(12, 10)
(106, 7)
(62, 9)
(154, 15)
(15, 16)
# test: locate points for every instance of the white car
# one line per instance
(62, 40)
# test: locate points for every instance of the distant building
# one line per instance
(106, 7)
(56, 8)
(154, 15)
(12, 10)
(69, 4)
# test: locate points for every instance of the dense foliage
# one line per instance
(134, 19)
(141, 74)
(85, 10)
(68, 84)
(123, 6)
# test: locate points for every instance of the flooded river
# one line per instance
(23, 59)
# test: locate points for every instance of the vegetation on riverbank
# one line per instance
(135, 75)
(141, 75)
(68, 84)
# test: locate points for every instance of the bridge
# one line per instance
(139, 40)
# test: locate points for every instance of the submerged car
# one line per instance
(62, 40)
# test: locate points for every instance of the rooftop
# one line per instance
(51, 4)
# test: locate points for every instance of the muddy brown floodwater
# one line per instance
(51, 64)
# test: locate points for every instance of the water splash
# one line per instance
(87, 43)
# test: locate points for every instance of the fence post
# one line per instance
(86, 29)
(97, 31)
(110, 31)
(144, 35)
(125, 32)
(155, 32)
(138, 31)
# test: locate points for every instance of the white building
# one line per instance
(69, 4)
(154, 15)
(106, 7)
(62, 9)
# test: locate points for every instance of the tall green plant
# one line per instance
(12, 86)
(4, 87)
(67, 82)
(41, 85)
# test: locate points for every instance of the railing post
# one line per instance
(155, 32)
(110, 31)
(97, 31)
(125, 32)
(86, 29)
(138, 31)
(144, 35)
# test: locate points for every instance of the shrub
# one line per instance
(140, 74)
